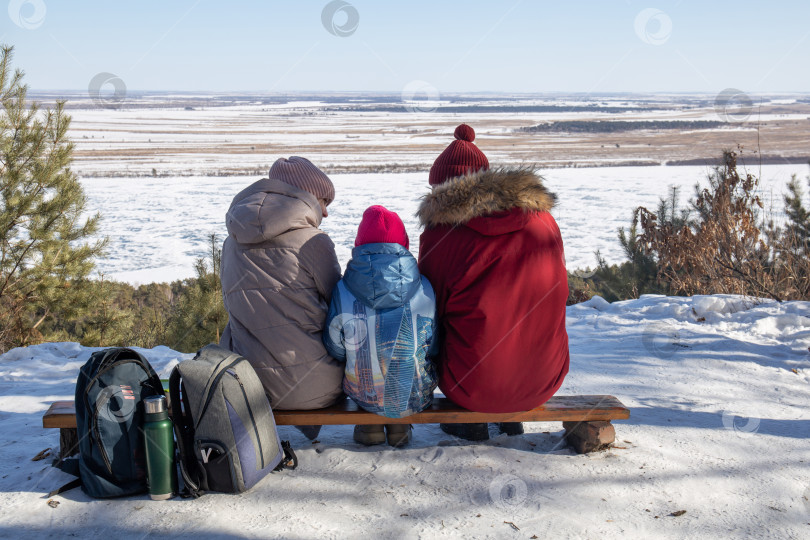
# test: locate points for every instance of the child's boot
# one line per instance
(369, 435)
(398, 434)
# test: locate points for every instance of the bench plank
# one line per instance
(558, 408)
(62, 414)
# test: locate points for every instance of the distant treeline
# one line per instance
(584, 126)
(478, 109)
(765, 159)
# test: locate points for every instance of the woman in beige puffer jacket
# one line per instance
(278, 271)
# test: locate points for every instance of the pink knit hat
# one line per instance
(380, 225)
(301, 173)
(460, 158)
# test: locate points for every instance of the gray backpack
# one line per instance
(224, 427)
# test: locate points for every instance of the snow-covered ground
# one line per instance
(158, 226)
(719, 392)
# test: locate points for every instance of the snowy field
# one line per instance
(219, 135)
(158, 226)
(719, 392)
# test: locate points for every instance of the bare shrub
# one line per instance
(726, 247)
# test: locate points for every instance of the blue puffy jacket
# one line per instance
(382, 322)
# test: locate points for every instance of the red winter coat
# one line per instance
(494, 256)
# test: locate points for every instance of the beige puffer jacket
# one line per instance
(278, 271)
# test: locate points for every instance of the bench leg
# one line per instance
(587, 437)
(68, 442)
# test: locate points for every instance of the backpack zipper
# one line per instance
(95, 429)
(212, 379)
(97, 437)
(250, 412)
(210, 394)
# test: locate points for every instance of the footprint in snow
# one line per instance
(432, 455)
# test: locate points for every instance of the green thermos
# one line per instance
(160, 461)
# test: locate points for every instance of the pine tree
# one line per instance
(638, 274)
(792, 245)
(45, 254)
(797, 232)
(200, 314)
(110, 324)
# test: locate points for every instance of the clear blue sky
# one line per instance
(455, 46)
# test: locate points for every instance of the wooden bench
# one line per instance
(586, 419)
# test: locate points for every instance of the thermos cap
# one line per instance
(155, 404)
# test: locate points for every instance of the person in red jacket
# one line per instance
(494, 255)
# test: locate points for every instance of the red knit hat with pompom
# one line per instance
(460, 158)
(380, 225)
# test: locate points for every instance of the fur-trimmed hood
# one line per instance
(459, 200)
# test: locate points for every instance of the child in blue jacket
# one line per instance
(382, 322)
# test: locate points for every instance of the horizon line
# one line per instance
(399, 92)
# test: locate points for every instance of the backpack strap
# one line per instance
(194, 476)
(69, 466)
(67, 487)
(290, 460)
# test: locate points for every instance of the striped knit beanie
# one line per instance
(301, 173)
(460, 158)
